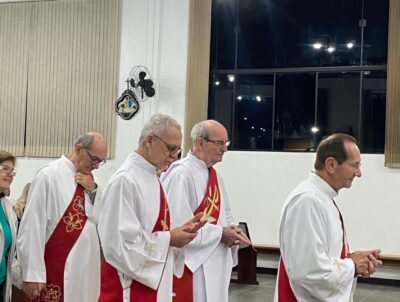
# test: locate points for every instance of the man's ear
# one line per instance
(200, 142)
(149, 140)
(330, 164)
(78, 147)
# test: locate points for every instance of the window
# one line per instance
(318, 67)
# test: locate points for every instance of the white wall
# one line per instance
(258, 183)
(155, 34)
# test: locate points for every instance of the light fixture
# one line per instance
(231, 78)
(245, 118)
(350, 45)
(317, 45)
(252, 127)
(314, 129)
(331, 49)
(216, 83)
(239, 97)
(258, 98)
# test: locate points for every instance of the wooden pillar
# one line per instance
(198, 66)
(392, 138)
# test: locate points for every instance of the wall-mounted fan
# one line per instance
(140, 88)
(141, 83)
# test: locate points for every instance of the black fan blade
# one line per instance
(142, 75)
(148, 83)
(150, 91)
(132, 82)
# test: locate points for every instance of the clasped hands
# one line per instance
(233, 235)
(32, 289)
(366, 262)
(181, 236)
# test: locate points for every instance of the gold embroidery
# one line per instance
(73, 222)
(164, 221)
(338, 264)
(51, 293)
(213, 199)
(335, 290)
(78, 204)
(149, 249)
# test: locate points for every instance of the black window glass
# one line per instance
(221, 96)
(376, 15)
(253, 112)
(223, 35)
(338, 104)
(373, 111)
(276, 33)
(285, 73)
(294, 111)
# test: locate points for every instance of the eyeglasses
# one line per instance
(8, 170)
(95, 159)
(219, 143)
(172, 149)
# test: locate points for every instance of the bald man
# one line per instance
(59, 250)
(194, 186)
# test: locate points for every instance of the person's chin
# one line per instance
(219, 159)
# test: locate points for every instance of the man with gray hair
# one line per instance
(194, 186)
(141, 251)
(58, 246)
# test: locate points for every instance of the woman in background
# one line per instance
(8, 226)
(20, 203)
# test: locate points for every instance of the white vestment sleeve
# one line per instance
(229, 219)
(313, 274)
(179, 261)
(32, 232)
(182, 200)
(126, 245)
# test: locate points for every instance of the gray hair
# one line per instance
(86, 140)
(158, 124)
(199, 130)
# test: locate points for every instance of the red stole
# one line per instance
(285, 292)
(60, 244)
(111, 288)
(210, 206)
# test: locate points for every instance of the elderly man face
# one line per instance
(216, 144)
(164, 148)
(90, 159)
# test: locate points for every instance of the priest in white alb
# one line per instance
(58, 246)
(194, 186)
(316, 263)
(141, 250)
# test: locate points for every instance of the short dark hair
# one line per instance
(332, 146)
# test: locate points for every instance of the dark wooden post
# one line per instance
(247, 262)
